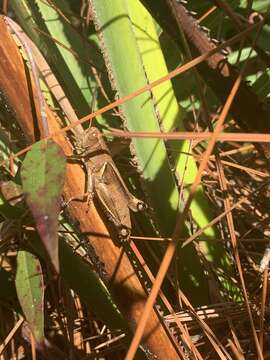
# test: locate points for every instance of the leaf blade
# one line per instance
(42, 176)
(30, 291)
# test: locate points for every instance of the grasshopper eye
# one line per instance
(93, 132)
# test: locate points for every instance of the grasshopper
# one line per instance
(105, 182)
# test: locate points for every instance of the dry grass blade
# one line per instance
(240, 137)
(11, 334)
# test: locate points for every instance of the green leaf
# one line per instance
(127, 74)
(42, 176)
(30, 292)
(171, 117)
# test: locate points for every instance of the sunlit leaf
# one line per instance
(30, 292)
(42, 176)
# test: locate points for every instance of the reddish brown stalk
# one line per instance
(189, 135)
(240, 137)
(188, 25)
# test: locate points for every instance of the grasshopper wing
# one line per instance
(132, 202)
(112, 197)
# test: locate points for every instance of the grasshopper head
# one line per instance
(91, 139)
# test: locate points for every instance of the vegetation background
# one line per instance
(186, 118)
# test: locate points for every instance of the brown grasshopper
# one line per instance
(105, 182)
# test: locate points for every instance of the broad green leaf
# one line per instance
(170, 115)
(127, 73)
(30, 292)
(42, 176)
(132, 62)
